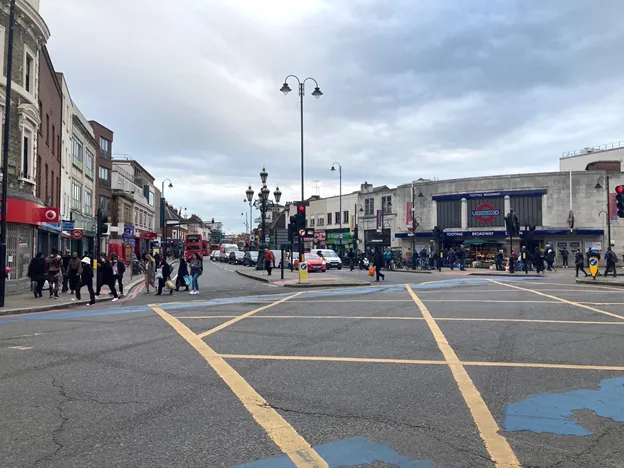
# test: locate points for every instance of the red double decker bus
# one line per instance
(193, 244)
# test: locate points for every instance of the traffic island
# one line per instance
(602, 281)
(291, 279)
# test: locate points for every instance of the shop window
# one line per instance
(20, 238)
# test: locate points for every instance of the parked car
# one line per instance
(331, 257)
(236, 257)
(250, 258)
(315, 263)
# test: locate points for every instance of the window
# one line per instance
(103, 204)
(104, 173)
(105, 145)
(337, 217)
(345, 216)
(53, 138)
(311, 224)
(88, 204)
(28, 72)
(45, 188)
(369, 207)
(27, 153)
(47, 129)
(77, 153)
(52, 192)
(321, 220)
(89, 164)
(386, 204)
(329, 218)
(39, 184)
(76, 195)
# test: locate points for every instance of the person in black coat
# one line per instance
(378, 262)
(86, 279)
(182, 272)
(165, 274)
(108, 279)
(118, 270)
(36, 273)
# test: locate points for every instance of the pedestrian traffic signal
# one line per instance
(619, 200)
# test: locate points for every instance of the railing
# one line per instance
(593, 149)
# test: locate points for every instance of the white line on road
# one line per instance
(21, 348)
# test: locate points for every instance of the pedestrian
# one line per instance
(119, 269)
(512, 262)
(378, 263)
(525, 260)
(461, 257)
(452, 258)
(611, 260)
(150, 273)
(37, 273)
(163, 274)
(269, 261)
(564, 257)
(197, 268)
(387, 255)
(66, 258)
(182, 272)
(351, 256)
(86, 279)
(108, 279)
(550, 259)
(74, 270)
(498, 260)
(54, 272)
(578, 263)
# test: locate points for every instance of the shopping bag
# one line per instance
(371, 271)
(187, 280)
(159, 273)
(46, 285)
(170, 284)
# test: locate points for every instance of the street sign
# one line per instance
(303, 272)
(340, 236)
(593, 266)
(132, 242)
(68, 226)
(309, 232)
(302, 232)
(77, 234)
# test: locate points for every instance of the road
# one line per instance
(419, 371)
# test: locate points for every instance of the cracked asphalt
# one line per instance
(119, 386)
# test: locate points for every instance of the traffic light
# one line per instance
(619, 200)
(300, 222)
(103, 224)
(292, 228)
(438, 234)
(212, 221)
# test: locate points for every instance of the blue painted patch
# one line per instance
(552, 413)
(345, 453)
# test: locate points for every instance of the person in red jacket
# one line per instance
(269, 261)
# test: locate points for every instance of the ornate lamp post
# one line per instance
(263, 204)
(608, 213)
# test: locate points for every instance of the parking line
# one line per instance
(248, 314)
(577, 304)
(530, 365)
(496, 445)
(277, 428)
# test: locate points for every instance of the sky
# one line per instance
(411, 88)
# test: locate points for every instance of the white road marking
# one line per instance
(26, 336)
(21, 348)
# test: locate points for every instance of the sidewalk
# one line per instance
(602, 281)
(291, 279)
(25, 302)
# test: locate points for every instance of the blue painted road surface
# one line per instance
(553, 412)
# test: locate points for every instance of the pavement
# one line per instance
(445, 371)
(291, 278)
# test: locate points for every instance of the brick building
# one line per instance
(103, 172)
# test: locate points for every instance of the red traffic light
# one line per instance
(619, 189)
(301, 208)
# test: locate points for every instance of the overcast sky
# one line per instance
(412, 88)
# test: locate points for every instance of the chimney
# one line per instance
(366, 187)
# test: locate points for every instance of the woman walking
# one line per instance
(163, 274)
(182, 272)
(197, 268)
(150, 273)
(108, 278)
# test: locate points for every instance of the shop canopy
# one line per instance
(477, 241)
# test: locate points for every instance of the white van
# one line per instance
(331, 258)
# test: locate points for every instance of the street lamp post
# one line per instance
(414, 223)
(608, 213)
(356, 229)
(317, 93)
(5, 155)
(263, 203)
(163, 221)
(333, 168)
(389, 209)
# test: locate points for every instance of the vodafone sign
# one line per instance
(48, 215)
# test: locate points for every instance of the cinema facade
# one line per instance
(568, 209)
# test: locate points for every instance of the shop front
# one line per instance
(374, 239)
(83, 234)
(48, 238)
(143, 240)
(339, 240)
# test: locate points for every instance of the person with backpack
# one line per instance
(611, 259)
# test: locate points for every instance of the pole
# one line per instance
(413, 259)
(260, 262)
(5, 157)
(301, 93)
(98, 237)
(340, 206)
(355, 231)
(608, 211)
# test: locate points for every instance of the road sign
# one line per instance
(302, 232)
(340, 236)
(132, 242)
(77, 234)
(303, 272)
(593, 266)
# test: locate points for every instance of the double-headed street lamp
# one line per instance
(263, 204)
(317, 93)
(608, 213)
(333, 168)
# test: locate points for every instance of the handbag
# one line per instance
(159, 273)
(46, 285)
(170, 284)
(371, 271)
(187, 280)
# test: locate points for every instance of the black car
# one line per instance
(250, 258)
(236, 257)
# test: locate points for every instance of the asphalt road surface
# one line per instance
(421, 371)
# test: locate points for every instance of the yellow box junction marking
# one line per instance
(248, 314)
(576, 304)
(283, 434)
(496, 445)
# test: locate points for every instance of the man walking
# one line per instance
(611, 260)
(54, 272)
(378, 263)
(578, 263)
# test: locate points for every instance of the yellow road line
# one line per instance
(577, 304)
(243, 316)
(532, 365)
(276, 427)
(496, 445)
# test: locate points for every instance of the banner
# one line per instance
(409, 215)
(379, 223)
(352, 222)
